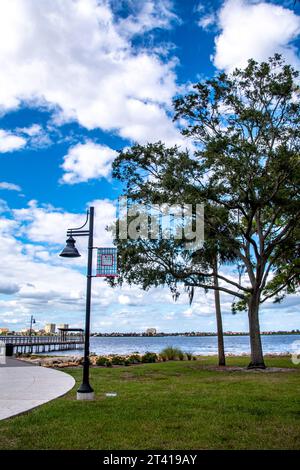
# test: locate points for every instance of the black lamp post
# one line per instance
(85, 391)
(32, 321)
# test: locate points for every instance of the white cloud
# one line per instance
(3, 208)
(35, 280)
(149, 15)
(207, 20)
(32, 130)
(124, 299)
(75, 57)
(37, 136)
(52, 287)
(87, 161)
(10, 142)
(251, 29)
(9, 186)
(8, 288)
(207, 15)
(47, 224)
(33, 274)
(41, 281)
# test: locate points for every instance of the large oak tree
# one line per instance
(245, 168)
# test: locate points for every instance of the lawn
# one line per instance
(172, 405)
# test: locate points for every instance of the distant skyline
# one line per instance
(79, 80)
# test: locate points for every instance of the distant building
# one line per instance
(63, 326)
(151, 331)
(50, 328)
(4, 331)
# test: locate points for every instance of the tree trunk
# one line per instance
(221, 352)
(257, 358)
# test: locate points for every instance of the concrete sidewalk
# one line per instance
(24, 386)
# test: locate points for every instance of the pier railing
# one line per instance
(43, 343)
(41, 339)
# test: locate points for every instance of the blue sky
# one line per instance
(80, 79)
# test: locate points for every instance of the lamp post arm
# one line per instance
(86, 221)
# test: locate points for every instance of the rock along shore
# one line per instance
(109, 360)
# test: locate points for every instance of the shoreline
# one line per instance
(189, 334)
(53, 361)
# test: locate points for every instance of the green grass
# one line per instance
(171, 405)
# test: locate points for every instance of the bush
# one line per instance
(134, 359)
(149, 357)
(172, 353)
(108, 363)
(181, 356)
(189, 356)
(118, 361)
(101, 361)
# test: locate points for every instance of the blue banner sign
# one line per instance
(106, 262)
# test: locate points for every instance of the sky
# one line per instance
(79, 80)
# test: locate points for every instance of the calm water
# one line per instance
(198, 345)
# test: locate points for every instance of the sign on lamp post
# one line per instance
(106, 262)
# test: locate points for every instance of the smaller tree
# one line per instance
(148, 174)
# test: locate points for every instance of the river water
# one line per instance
(202, 345)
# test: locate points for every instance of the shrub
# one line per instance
(118, 360)
(149, 357)
(172, 353)
(104, 361)
(101, 361)
(134, 359)
(163, 357)
(189, 356)
(181, 356)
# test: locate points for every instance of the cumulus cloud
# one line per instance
(45, 224)
(9, 186)
(35, 280)
(87, 161)
(36, 136)
(124, 299)
(45, 285)
(77, 59)
(10, 142)
(252, 29)
(8, 288)
(51, 287)
(149, 15)
(32, 130)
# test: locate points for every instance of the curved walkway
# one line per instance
(24, 386)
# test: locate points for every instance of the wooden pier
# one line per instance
(42, 344)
